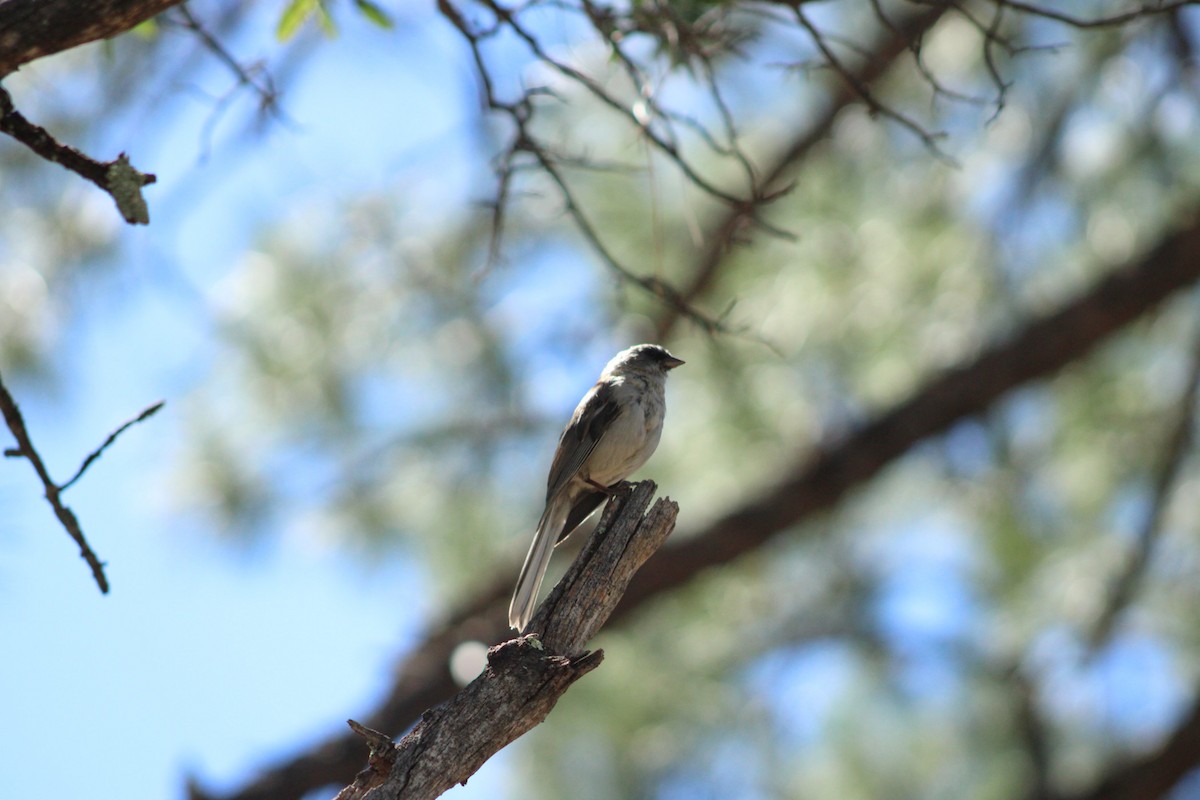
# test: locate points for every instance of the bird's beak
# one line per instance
(673, 362)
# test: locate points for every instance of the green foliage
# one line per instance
(375, 14)
(299, 12)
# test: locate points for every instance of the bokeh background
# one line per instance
(364, 385)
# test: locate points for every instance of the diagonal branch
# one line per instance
(524, 677)
(112, 437)
(1166, 477)
(53, 491)
(724, 232)
(25, 449)
(1153, 775)
(820, 39)
(118, 178)
(31, 29)
(815, 483)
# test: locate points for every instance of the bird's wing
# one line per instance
(592, 418)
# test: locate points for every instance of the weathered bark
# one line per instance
(31, 29)
(524, 677)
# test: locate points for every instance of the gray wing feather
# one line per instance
(592, 418)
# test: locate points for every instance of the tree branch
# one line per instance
(1153, 775)
(25, 449)
(118, 178)
(112, 437)
(31, 29)
(814, 484)
(524, 677)
(724, 232)
(1110, 21)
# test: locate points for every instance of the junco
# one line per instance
(614, 429)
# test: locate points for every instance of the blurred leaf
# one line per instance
(299, 12)
(375, 14)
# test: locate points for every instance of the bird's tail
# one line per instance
(524, 599)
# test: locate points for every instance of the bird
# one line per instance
(614, 430)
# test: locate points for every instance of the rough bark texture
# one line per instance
(524, 677)
(31, 29)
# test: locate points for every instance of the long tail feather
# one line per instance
(524, 599)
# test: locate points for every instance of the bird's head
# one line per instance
(646, 358)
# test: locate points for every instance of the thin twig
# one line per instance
(525, 143)
(112, 437)
(246, 76)
(25, 449)
(1111, 21)
(930, 140)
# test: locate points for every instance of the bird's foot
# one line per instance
(607, 490)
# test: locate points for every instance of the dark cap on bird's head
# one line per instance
(644, 356)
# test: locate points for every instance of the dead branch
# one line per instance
(25, 449)
(118, 178)
(525, 676)
(53, 491)
(112, 437)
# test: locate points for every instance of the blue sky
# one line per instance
(206, 659)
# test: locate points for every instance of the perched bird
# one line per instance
(614, 429)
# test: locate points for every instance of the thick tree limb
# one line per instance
(815, 483)
(524, 677)
(1155, 774)
(31, 29)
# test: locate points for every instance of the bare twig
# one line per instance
(118, 178)
(25, 449)
(112, 437)
(255, 77)
(524, 677)
(819, 38)
(525, 143)
(730, 228)
(1179, 442)
(1110, 21)
(53, 491)
(669, 149)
